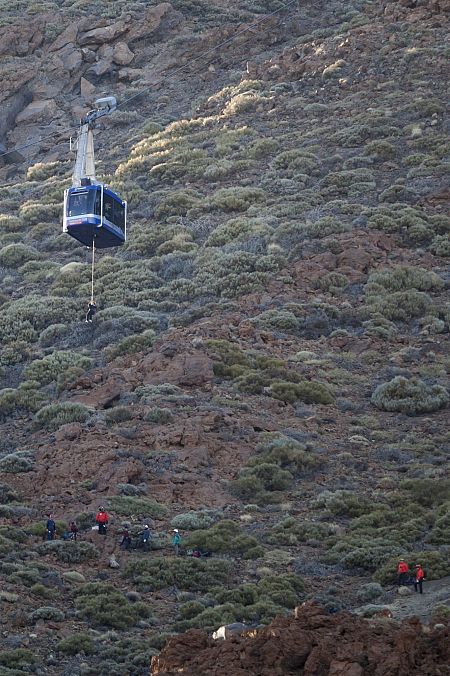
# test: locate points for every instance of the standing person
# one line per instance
(51, 527)
(418, 581)
(145, 538)
(402, 572)
(74, 530)
(126, 540)
(101, 520)
(176, 541)
(92, 309)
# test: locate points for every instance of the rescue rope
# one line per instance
(92, 270)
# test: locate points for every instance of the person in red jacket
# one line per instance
(101, 520)
(402, 571)
(418, 582)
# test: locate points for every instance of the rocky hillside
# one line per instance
(267, 371)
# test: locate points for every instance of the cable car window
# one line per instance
(98, 203)
(119, 215)
(78, 204)
(108, 208)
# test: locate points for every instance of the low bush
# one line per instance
(7, 493)
(225, 537)
(131, 344)
(15, 255)
(47, 613)
(25, 398)
(55, 415)
(79, 643)
(118, 414)
(195, 520)
(188, 574)
(292, 531)
(412, 396)
(344, 503)
(235, 199)
(158, 416)
(404, 278)
(17, 658)
(127, 505)
(369, 592)
(103, 605)
(309, 391)
(15, 463)
(46, 370)
(69, 552)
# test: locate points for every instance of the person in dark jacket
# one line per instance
(92, 309)
(126, 540)
(145, 538)
(73, 530)
(51, 527)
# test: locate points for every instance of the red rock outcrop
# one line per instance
(314, 644)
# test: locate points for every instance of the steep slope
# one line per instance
(268, 368)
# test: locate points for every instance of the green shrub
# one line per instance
(70, 551)
(409, 396)
(292, 531)
(427, 492)
(158, 416)
(7, 494)
(25, 317)
(380, 150)
(55, 415)
(344, 503)
(309, 391)
(195, 520)
(440, 246)
(235, 199)
(360, 553)
(118, 414)
(79, 643)
(237, 230)
(15, 255)
(404, 278)
(401, 305)
(369, 592)
(42, 591)
(131, 344)
(18, 658)
(188, 574)
(34, 212)
(25, 398)
(225, 536)
(440, 534)
(148, 393)
(10, 223)
(277, 320)
(52, 334)
(47, 613)
(103, 605)
(287, 453)
(46, 370)
(15, 463)
(177, 203)
(127, 505)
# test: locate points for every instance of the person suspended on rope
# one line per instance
(92, 309)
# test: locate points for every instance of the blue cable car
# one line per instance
(95, 214)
